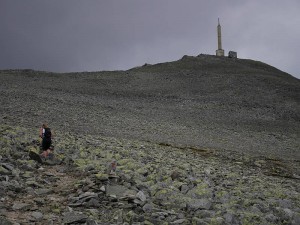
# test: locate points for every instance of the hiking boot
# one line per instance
(51, 156)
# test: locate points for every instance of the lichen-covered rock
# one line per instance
(4, 171)
(196, 204)
(200, 191)
(101, 177)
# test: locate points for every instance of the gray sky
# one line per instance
(96, 35)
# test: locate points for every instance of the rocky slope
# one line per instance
(202, 140)
(155, 184)
(206, 101)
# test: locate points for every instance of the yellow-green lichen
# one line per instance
(201, 190)
(250, 218)
(101, 176)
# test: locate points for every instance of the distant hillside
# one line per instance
(206, 101)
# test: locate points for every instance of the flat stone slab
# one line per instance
(21, 206)
(73, 217)
(199, 204)
(117, 190)
(37, 216)
(43, 191)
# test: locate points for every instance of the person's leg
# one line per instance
(46, 147)
(44, 154)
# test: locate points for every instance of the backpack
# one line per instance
(47, 133)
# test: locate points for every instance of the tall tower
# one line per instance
(220, 51)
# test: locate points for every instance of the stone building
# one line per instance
(232, 54)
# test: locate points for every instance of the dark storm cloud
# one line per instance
(75, 35)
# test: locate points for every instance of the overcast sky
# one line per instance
(96, 35)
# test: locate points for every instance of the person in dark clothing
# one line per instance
(46, 135)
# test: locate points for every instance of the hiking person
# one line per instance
(46, 135)
(112, 167)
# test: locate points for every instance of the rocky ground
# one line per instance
(202, 140)
(155, 183)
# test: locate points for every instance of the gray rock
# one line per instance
(4, 221)
(202, 213)
(7, 166)
(285, 203)
(37, 216)
(33, 183)
(254, 209)
(175, 175)
(73, 217)
(160, 214)
(184, 189)
(89, 168)
(13, 185)
(263, 207)
(228, 218)
(30, 190)
(200, 192)
(130, 217)
(138, 202)
(198, 221)
(271, 218)
(91, 222)
(180, 221)
(218, 221)
(126, 184)
(171, 218)
(296, 219)
(21, 206)
(130, 193)
(4, 171)
(140, 218)
(199, 204)
(126, 177)
(117, 190)
(76, 204)
(284, 214)
(93, 203)
(148, 208)
(40, 201)
(43, 191)
(86, 196)
(140, 195)
(180, 216)
(102, 188)
(52, 162)
(289, 213)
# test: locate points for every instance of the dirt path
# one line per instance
(44, 198)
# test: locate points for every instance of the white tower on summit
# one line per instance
(220, 51)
